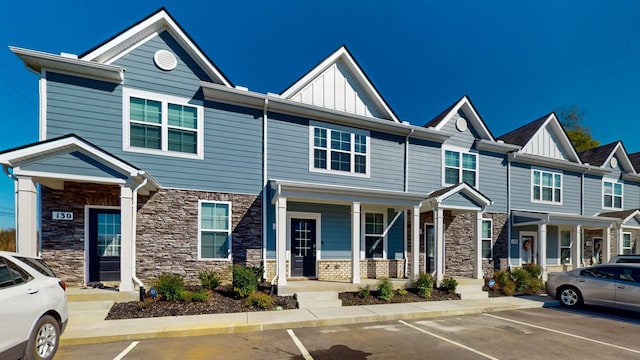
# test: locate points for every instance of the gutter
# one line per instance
(134, 206)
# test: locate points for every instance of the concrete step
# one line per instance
(471, 289)
(474, 295)
(318, 299)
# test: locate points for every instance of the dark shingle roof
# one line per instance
(619, 214)
(521, 135)
(437, 193)
(635, 160)
(597, 156)
(436, 120)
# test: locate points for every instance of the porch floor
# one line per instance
(296, 286)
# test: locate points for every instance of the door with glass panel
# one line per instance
(104, 245)
(303, 247)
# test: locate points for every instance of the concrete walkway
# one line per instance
(87, 324)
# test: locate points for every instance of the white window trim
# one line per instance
(613, 183)
(533, 200)
(363, 226)
(622, 242)
(490, 239)
(534, 236)
(460, 151)
(560, 260)
(353, 153)
(229, 230)
(164, 99)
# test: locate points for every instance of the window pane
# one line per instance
(558, 181)
(486, 249)
(374, 223)
(547, 194)
(486, 229)
(361, 144)
(608, 188)
(145, 110)
(547, 179)
(469, 161)
(536, 192)
(565, 254)
(320, 138)
(183, 141)
(469, 177)
(361, 164)
(214, 216)
(452, 158)
(373, 246)
(536, 177)
(557, 195)
(340, 140)
(451, 176)
(617, 202)
(608, 201)
(145, 136)
(340, 161)
(565, 238)
(626, 240)
(182, 116)
(617, 189)
(214, 245)
(320, 159)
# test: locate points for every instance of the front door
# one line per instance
(104, 245)
(303, 247)
(527, 245)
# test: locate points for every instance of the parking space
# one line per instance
(531, 334)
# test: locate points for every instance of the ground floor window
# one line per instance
(215, 230)
(374, 235)
(487, 252)
(626, 243)
(565, 247)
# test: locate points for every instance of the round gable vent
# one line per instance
(614, 163)
(461, 124)
(165, 60)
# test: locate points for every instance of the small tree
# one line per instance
(579, 135)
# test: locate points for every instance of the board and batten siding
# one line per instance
(288, 156)
(93, 110)
(521, 188)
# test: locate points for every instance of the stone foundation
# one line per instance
(334, 270)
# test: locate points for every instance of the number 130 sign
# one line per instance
(62, 215)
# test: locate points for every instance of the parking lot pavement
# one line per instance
(531, 334)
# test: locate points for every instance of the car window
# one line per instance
(599, 272)
(37, 264)
(11, 274)
(630, 260)
(630, 274)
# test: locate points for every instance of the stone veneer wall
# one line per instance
(167, 234)
(63, 242)
(500, 244)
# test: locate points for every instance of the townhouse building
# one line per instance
(150, 160)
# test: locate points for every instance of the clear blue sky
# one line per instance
(517, 61)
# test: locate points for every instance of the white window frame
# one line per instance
(363, 238)
(228, 231)
(128, 93)
(630, 247)
(460, 168)
(560, 247)
(553, 187)
(328, 149)
(613, 196)
(489, 239)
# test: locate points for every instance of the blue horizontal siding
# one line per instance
(72, 163)
(425, 169)
(335, 228)
(521, 190)
(492, 181)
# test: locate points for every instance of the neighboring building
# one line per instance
(169, 167)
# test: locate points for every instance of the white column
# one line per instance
(355, 242)
(26, 217)
(281, 240)
(126, 238)
(477, 269)
(618, 242)
(415, 242)
(438, 220)
(576, 246)
(542, 250)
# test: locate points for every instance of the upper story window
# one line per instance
(214, 240)
(162, 124)
(460, 166)
(612, 195)
(546, 187)
(339, 152)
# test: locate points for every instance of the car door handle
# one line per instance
(621, 287)
(32, 291)
(581, 280)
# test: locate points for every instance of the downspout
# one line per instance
(509, 218)
(134, 207)
(264, 184)
(273, 281)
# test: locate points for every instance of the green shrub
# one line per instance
(364, 292)
(385, 290)
(258, 271)
(402, 292)
(449, 284)
(170, 287)
(200, 296)
(244, 281)
(533, 269)
(509, 287)
(261, 300)
(522, 279)
(424, 284)
(186, 296)
(501, 277)
(535, 286)
(209, 280)
(147, 302)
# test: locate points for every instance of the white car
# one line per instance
(33, 308)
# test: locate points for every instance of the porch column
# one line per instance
(281, 240)
(415, 242)
(618, 242)
(438, 220)
(542, 250)
(26, 217)
(355, 242)
(477, 268)
(126, 238)
(576, 246)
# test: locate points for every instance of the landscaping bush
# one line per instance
(522, 279)
(261, 300)
(209, 280)
(402, 292)
(509, 287)
(535, 286)
(449, 284)
(170, 287)
(385, 290)
(424, 284)
(533, 269)
(501, 277)
(244, 281)
(364, 292)
(200, 296)
(258, 271)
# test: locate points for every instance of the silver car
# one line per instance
(612, 285)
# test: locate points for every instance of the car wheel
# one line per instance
(570, 296)
(43, 342)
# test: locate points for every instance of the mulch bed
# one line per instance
(223, 301)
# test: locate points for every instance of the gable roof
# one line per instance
(464, 104)
(344, 67)
(157, 22)
(601, 155)
(463, 188)
(635, 160)
(529, 134)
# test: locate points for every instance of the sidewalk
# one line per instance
(87, 324)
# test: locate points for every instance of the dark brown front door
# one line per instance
(104, 245)
(303, 247)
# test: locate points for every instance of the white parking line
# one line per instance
(303, 350)
(126, 351)
(449, 341)
(565, 333)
